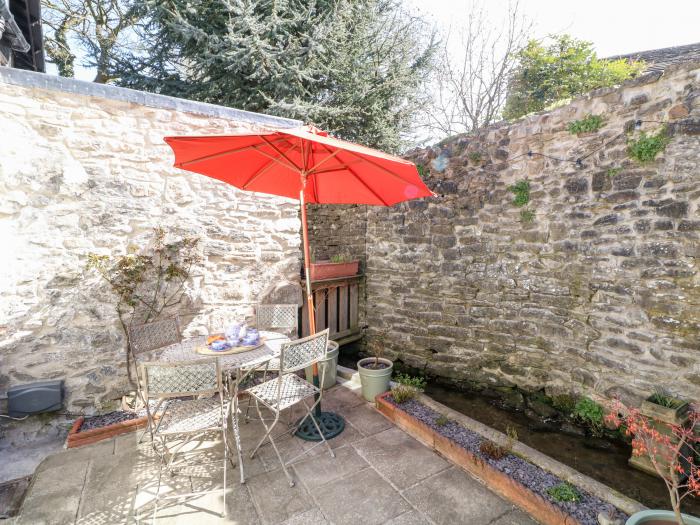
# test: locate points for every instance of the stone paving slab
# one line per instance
(379, 475)
(399, 457)
(452, 495)
(364, 497)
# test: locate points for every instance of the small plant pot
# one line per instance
(327, 368)
(329, 270)
(659, 517)
(374, 382)
(661, 417)
(672, 416)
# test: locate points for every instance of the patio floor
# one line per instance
(379, 475)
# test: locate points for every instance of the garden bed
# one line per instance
(91, 430)
(513, 477)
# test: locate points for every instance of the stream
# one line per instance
(601, 459)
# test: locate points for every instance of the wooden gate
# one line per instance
(337, 307)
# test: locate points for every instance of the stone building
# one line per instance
(21, 43)
(657, 60)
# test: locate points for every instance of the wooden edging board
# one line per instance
(539, 508)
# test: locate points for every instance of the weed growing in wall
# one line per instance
(587, 124)
(527, 216)
(521, 190)
(645, 148)
(475, 157)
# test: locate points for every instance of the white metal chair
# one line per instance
(288, 389)
(145, 340)
(278, 317)
(184, 420)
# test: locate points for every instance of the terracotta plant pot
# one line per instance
(329, 270)
(374, 382)
(659, 517)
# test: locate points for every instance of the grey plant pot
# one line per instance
(659, 516)
(374, 382)
(327, 368)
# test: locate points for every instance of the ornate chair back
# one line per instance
(302, 353)
(277, 317)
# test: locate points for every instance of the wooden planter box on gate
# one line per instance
(539, 508)
(323, 270)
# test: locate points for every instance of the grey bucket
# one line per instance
(374, 382)
(328, 367)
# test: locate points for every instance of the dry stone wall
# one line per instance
(595, 289)
(84, 169)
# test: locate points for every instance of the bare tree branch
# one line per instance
(475, 63)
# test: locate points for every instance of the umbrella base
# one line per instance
(331, 425)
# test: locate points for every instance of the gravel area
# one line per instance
(533, 477)
(104, 420)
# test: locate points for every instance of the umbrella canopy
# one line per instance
(336, 171)
(306, 164)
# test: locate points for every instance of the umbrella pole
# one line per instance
(331, 424)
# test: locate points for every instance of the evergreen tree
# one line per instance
(354, 67)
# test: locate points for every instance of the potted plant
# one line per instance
(671, 454)
(375, 372)
(663, 411)
(338, 266)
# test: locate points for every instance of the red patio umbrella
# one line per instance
(302, 163)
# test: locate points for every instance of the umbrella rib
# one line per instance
(329, 157)
(352, 172)
(379, 166)
(278, 151)
(262, 170)
(219, 154)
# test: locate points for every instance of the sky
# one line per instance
(614, 26)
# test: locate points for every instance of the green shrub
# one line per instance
(564, 492)
(402, 393)
(589, 412)
(521, 190)
(563, 69)
(339, 259)
(422, 171)
(647, 147)
(418, 383)
(612, 172)
(586, 125)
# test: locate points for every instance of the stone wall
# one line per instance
(84, 169)
(596, 289)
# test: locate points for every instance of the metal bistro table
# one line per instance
(237, 368)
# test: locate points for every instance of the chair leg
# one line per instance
(223, 436)
(268, 429)
(268, 435)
